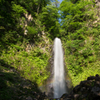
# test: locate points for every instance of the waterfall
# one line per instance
(59, 77)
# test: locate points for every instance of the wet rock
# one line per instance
(83, 89)
(34, 93)
(83, 97)
(64, 96)
(76, 88)
(97, 75)
(76, 96)
(91, 78)
(95, 89)
(29, 98)
(86, 90)
(98, 83)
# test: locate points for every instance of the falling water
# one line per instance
(59, 79)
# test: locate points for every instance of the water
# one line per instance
(59, 77)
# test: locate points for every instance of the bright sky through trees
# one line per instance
(60, 1)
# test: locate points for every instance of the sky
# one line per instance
(60, 1)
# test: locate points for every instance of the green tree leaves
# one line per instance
(81, 31)
(18, 10)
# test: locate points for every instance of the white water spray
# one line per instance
(59, 77)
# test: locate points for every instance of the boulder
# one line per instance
(87, 90)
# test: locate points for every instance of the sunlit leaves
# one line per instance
(81, 42)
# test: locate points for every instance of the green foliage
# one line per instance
(31, 30)
(50, 20)
(79, 31)
(74, 15)
(18, 8)
(31, 65)
(80, 38)
(17, 55)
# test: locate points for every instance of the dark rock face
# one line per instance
(86, 90)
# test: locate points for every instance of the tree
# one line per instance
(50, 17)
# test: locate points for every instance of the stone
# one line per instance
(34, 93)
(76, 88)
(64, 96)
(98, 83)
(91, 78)
(29, 98)
(83, 89)
(97, 75)
(83, 83)
(76, 96)
(95, 89)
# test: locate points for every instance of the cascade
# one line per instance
(59, 82)
(59, 85)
